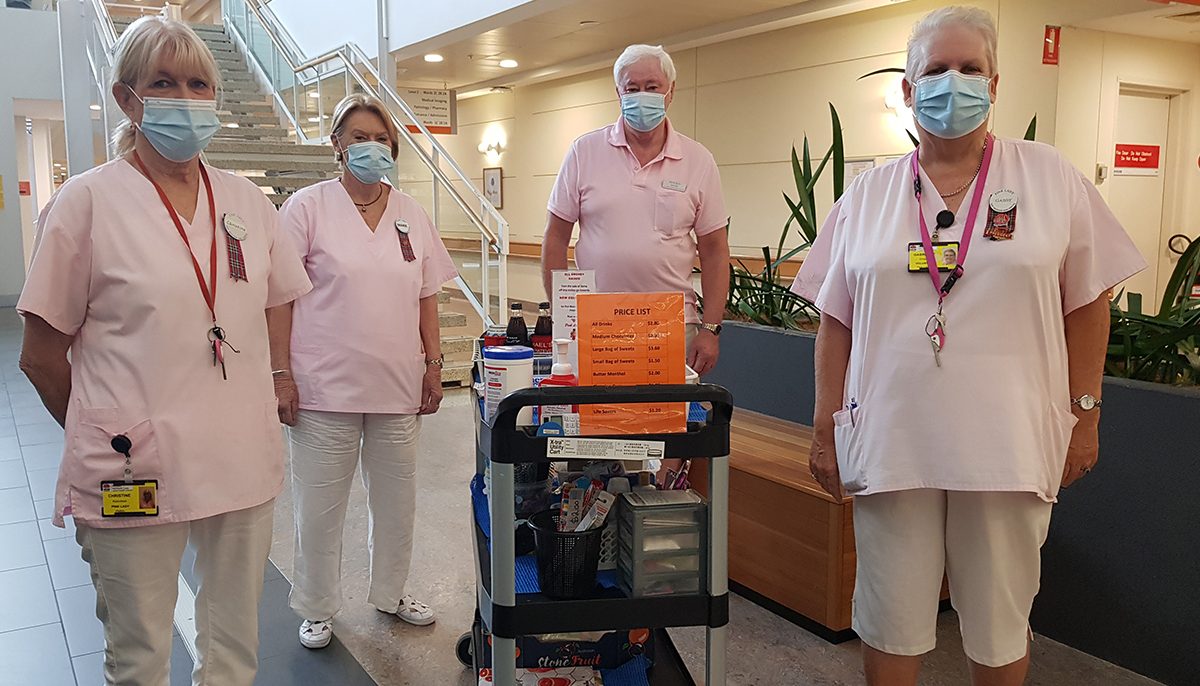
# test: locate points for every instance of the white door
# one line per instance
(1136, 195)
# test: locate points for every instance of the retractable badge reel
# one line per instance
(128, 497)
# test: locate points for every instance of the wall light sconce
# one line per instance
(493, 143)
(901, 114)
(493, 148)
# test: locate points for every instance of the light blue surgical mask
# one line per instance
(178, 128)
(644, 111)
(369, 162)
(951, 104)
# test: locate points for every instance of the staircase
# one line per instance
(253, 143)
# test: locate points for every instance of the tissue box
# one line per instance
(579, 676)
(594, 651)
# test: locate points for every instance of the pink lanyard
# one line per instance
(943, 290)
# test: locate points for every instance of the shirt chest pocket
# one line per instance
(674, 214)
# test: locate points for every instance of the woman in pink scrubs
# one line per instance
(168, 284)
(366, 357)
(956, 396)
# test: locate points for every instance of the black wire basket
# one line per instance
(567, 560)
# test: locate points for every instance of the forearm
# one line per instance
(831, 359)
(714, 275)
(431, 330)
(44, 362)
(1087, 344)
(555, 243)
(279, 337)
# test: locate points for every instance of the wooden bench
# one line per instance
(791, 544)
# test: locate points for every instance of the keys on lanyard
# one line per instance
(216, 338)
(935, 329)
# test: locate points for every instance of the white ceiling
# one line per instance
(1177, 22)
(580, 35)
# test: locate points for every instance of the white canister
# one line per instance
(507, 368)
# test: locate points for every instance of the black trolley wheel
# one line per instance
(465, 650)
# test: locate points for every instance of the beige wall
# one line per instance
(749, 99)
(1094, 70)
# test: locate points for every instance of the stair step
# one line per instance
(450, 320)
(457, 374)
(285, 182)
(258, 163)
(270, 148)
(239, 108)
(255, 119)
(457, 345)
(443, 297)
(252, 133)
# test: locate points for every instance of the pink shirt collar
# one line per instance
(673, 148)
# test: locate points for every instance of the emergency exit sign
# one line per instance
(1137, 160)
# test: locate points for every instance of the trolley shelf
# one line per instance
(610, 610)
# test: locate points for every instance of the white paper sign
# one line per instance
(558, 449)
(567, 284)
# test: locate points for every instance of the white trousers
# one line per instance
(987, 543)
(136, 574)
(325, 448)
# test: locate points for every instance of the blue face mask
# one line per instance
(178, 128)
(369, 162)
(951, 105)
(644, 111)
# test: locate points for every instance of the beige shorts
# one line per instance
(987, 544)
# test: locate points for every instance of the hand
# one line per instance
(822, 461)
(288, 398)
(1084, 450)
(706, 347)
(431, 389)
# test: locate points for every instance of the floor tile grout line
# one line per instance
(27, 628)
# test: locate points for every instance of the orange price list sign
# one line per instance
(631, 339)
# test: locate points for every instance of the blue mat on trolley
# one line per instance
(526, 572)
(632, 673)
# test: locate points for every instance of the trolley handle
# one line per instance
(505, 421)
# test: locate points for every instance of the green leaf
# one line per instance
(1031, 132)
(1134, 302)
(885, 70)
(839, 155)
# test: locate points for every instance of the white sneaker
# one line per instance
(316, 633)
(414, 612)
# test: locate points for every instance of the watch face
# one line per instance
(1087, 402)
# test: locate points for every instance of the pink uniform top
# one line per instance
(356, 340)
(997, 415)
(110, 269)
(638, 225)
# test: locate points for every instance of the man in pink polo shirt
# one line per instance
(647, 199)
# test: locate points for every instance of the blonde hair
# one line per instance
(138, 52)
(369, 103)
(923, 32)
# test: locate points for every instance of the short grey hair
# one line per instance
(636, 53)
(923, 32)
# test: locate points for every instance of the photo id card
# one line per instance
(138, 498)
(945, 252)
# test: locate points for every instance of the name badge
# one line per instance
(677, 186)
(235, 227)
(945, 252)
(137, 498)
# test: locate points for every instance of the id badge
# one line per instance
(138, 498)
(945, 252)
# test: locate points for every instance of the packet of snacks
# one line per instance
(569, 676)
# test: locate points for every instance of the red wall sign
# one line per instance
(23, 188)
(1137, 160)
(1051, 44)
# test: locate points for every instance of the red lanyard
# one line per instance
(968, 228)
(208, 290)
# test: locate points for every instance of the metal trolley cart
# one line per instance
(505, 615)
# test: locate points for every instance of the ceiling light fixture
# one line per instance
(314, 120)
(94, 108)
(314, 94)
(508, 64)
(434, 57)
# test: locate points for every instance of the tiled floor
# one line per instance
(49, 635)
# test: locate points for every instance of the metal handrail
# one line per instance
(346, 53)
(107, 30)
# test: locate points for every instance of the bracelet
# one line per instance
(277, 372)
(439, 362)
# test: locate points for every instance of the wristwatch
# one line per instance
(439, 362)
(714, 329)
(1087, 402)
